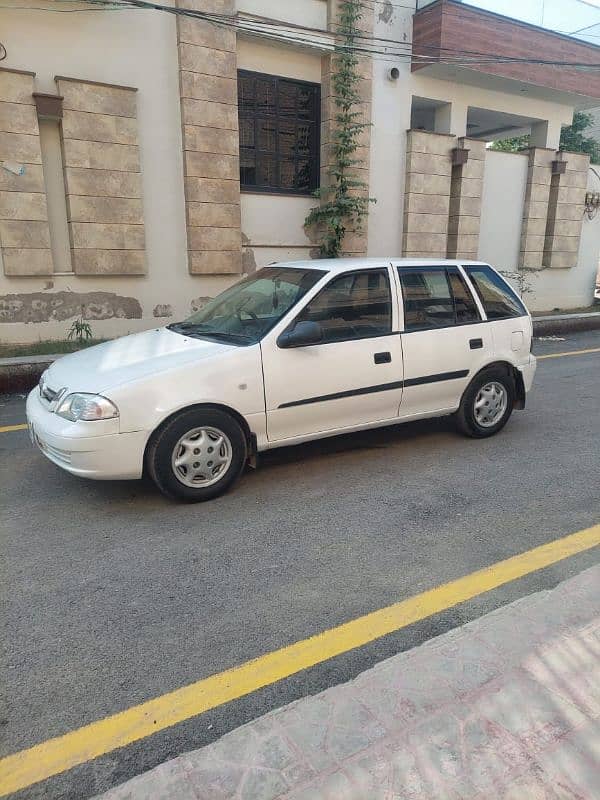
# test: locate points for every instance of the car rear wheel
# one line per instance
(487, 404)
(197, 455)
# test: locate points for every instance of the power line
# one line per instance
(282, 32)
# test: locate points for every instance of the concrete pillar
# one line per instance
(102, 179)
(465, 201)
(545, 134)
(566, 206)
(451, 118)
(24, 229)
(210, 132)
(427, 194)
(535, 209)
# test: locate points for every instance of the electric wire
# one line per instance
(377, 47)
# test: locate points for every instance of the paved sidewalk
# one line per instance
(504, 708)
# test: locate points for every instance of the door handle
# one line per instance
(475, 344)
(382, 358)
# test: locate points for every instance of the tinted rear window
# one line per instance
(498, 299)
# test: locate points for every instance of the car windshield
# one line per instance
(244, 313)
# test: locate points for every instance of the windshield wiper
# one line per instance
(203, 329)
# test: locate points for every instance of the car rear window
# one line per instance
(436, 297)
(498, 299)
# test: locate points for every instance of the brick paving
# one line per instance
(504, 708)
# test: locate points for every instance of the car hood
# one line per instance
(105, 366)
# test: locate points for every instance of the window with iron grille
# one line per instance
(279, 123)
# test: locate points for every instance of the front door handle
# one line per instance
(382, 358)
(475, 344)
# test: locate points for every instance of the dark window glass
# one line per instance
(465, 308)
(498, 299)
(357, 305)
(428, 302)
(246, 94)
(279, 133)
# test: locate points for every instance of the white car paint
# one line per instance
(152, 375)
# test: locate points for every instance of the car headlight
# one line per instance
(42, 381)
(87, 407)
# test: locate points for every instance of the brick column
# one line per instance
(102, 178)
(565, 211)
(356, 241)
(465, 201)
(208, 92)
(535, 210)
(24, 230)
(427, 193)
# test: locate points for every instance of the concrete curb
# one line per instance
(22, 373)
(566, 323)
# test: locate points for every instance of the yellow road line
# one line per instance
(9, 428)
(570, 353)
(54, 756)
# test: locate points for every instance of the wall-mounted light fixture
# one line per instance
(48, 106)
(460, 156)
(559, 166)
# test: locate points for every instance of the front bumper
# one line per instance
(528, 372)
(88, 449)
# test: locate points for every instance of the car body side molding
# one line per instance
(382, 387)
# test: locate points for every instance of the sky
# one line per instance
(565, 16)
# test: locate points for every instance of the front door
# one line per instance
(445, 342)
(351, 378)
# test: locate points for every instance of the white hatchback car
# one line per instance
(294, 352)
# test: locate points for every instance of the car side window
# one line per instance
(428, 301)
(497, 298)
(356, 305)
(465, 307)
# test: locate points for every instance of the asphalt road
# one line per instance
(113, 595)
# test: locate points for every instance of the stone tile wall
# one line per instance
(465, 202)
(566, 206)
(427, 193)
(24, 230)
(208, 92)
(535, 209)
(102, 178)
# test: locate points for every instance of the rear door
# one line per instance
(444, 338)
(510, 322)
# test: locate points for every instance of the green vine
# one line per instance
(344, 200)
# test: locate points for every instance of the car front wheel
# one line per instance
(487, 404)
(197, 455)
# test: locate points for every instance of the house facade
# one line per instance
(149, 158)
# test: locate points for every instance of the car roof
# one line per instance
(348, 264)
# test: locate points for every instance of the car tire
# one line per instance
(197, 455)
(487, 403)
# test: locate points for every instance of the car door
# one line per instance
(444, 339)
(511, 328)
(353, 376)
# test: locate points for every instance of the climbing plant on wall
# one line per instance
(344, 197)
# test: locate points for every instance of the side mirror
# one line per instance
(302, 334)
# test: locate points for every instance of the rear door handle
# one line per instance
(475, 344)
(382, 358)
